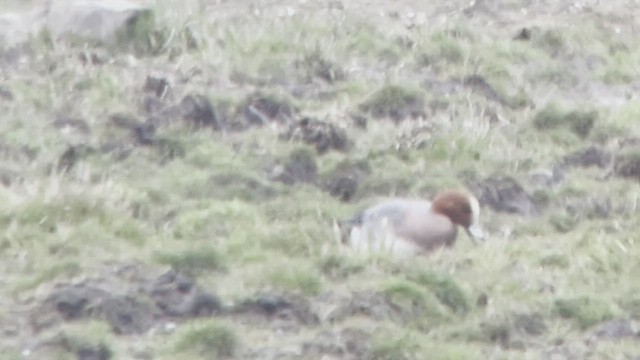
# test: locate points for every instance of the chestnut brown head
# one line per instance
(461, 208)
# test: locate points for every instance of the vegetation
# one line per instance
(194, 188)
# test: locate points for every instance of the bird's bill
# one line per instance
(475, 232)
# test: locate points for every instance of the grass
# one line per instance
(392, 347)
(394, 101)
(585, 311)
(296, 278)
(206, 338)
(201, 201)
(192, 260)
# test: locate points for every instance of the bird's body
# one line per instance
(405, 227)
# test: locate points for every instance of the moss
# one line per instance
(585, 311)
(447, 290)
(207, 338)
(550, 117)
(581, 122)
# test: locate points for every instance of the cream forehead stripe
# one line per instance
(475, 208)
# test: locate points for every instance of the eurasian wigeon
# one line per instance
(407, 227)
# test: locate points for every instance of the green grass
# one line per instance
(202, 201)
(207, 339)
(296, 278)
(585, 311)
(192, 260)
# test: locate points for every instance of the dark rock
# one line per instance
(142, 132)
(125, 314)
(72, 155)
(92, 58)
(62, 342)
(199, 110)
(94, 20)
(343, 181)
(591, 156)
(153, 105)
(504, 194)
(178, 296)
(616, 330)
(553, 116)
(315, 65)
(395, 102)
(323, 135)
(158, 86)
(349, 343)
(118, 149)
(589, 207)
(359, 120)
(259, 110)
(301, 166)
(524, 34)
(5, 94)
(479, 84)
(98, 352)
(131, 298)
(8, 176)
(532, 324)
(627, 165)
(292, 310)
(482, 300)
(581, 122)
(343, 187)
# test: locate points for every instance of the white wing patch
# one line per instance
(379, 237)
(475, 210)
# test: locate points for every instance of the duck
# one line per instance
(408, 227)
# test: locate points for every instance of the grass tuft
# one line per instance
(552, 116)
(395, 102)
(585, 311)
(394, 347)
(447, 290)
(298, 278)
(192, 261)
(208, 338)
